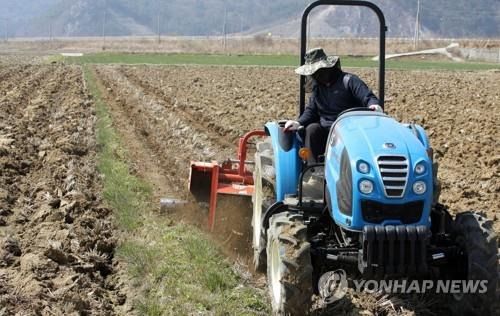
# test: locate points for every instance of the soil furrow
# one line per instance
(23, 83)
(139, 146)
(12, 73)
(165, 131)
(229, 100)
(202, 124)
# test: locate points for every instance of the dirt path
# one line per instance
(56, 238)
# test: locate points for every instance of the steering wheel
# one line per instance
(358, 109)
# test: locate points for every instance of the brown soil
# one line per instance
(56, 239)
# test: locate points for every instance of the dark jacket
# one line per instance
(327, 102)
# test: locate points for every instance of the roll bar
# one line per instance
(303, 43)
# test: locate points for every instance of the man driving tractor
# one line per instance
(333, 91)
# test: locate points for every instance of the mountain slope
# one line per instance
(444, 18)
(341, 22)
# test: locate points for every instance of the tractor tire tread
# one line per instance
(482, 243)
(296, 277)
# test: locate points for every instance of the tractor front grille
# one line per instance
(394, 172)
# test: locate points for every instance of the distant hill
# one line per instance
(443, 18)
(338, 22)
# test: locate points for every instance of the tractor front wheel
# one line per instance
(474, 233)
(289, 268)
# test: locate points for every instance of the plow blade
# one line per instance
(208, 179)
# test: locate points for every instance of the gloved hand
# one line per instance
(291, 126)
(376, 108)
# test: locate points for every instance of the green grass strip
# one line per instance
(125, 193)
(265, 60)
(176, 269)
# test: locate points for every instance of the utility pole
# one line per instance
(224, 28)
(241, 24)
(416, 36)
(104, 26)
(158, 22)
(50, 31)
(6, 30)
(241, 32)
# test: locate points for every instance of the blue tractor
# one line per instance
(375, 213)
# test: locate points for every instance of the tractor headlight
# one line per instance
(419, 187)
(363, 167)
(366, 186)
(420, 168)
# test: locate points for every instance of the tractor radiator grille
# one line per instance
(394, 172)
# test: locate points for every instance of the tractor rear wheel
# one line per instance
(262, 198)
(289, 268)
(474, 233)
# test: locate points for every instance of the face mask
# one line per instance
(323, 75)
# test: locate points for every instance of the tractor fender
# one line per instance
(286, 162)
(277, 207)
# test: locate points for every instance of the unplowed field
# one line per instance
(56, 239)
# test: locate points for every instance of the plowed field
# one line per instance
(56, 239)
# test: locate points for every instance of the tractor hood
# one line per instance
(368, 134)
(390, 152)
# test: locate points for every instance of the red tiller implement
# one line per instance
(229, 177)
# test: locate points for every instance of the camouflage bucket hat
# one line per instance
(316, 59)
